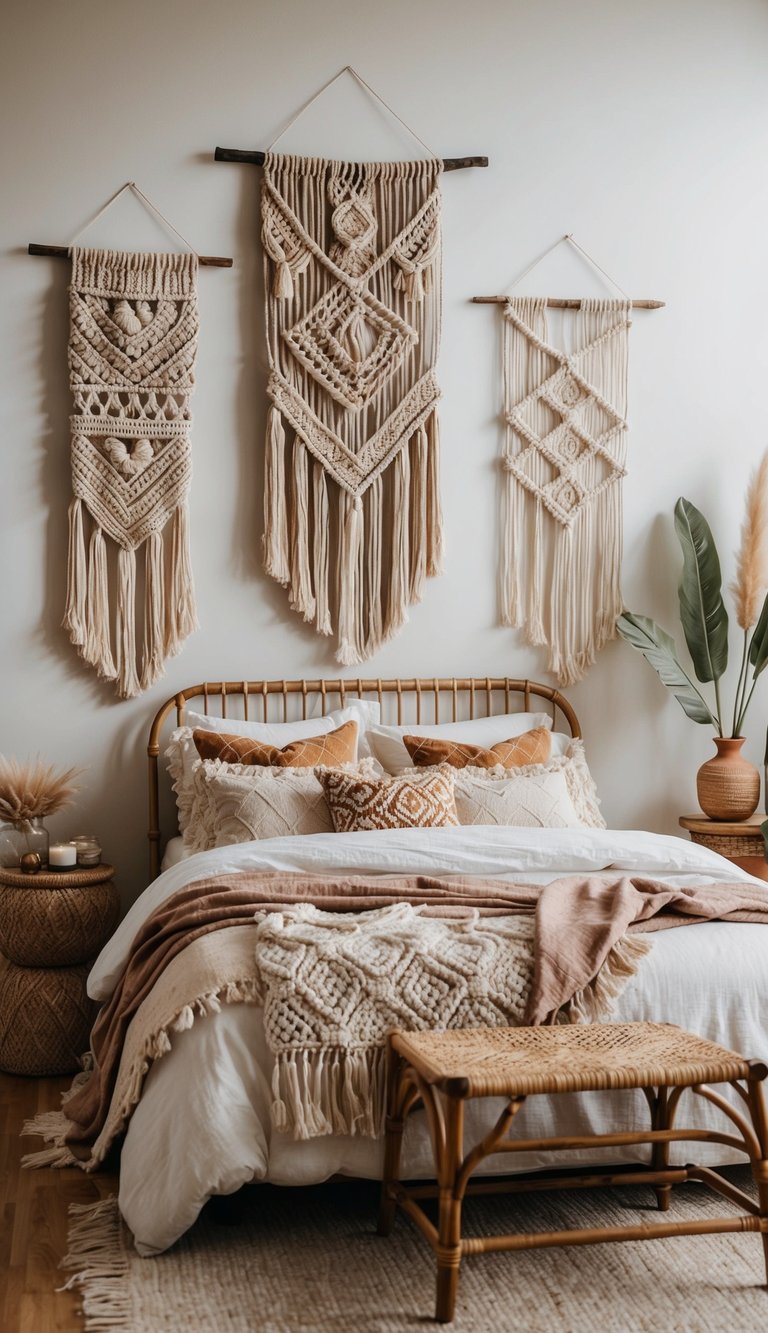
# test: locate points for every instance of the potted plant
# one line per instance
(728, 786)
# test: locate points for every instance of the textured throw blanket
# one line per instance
(579, 921)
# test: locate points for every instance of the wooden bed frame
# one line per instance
(429, 700)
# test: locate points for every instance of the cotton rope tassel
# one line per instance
(565, 456)
(302, 597)
(77, 577)
(352, 282)
(275, 541)
(131, 459)
(127, 679)
(98, 648)
(154, 612)
(181, 619)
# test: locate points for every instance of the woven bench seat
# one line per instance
(442, 1070)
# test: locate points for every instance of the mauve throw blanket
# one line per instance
(579, 919)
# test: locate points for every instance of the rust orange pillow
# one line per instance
(533, 747)
(356, 803)
(335, 747)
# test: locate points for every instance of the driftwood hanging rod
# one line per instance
(566, 302)
(255, 156)
(62, 252)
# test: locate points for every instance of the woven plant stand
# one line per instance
(443, 1070)
(51, 926)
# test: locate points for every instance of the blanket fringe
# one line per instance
(596, 1002)
(97, 1254)
(329, 1091)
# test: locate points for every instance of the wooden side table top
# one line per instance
(79, 877)
(742, 828)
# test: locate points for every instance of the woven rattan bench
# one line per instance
(443, 1069)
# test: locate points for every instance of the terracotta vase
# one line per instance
(728, 786)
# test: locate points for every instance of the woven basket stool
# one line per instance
(51, 925)
(443, 1070)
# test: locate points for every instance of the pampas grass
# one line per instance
(33, 790)
(751, 579)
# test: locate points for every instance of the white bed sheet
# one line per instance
(203, 1125)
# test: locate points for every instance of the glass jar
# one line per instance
(88, 849)
(26, 835)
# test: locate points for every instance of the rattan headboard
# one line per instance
(428, 700)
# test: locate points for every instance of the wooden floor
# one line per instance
(33, 1215)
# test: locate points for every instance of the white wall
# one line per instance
(641, 126)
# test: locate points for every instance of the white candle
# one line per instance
(61, 855)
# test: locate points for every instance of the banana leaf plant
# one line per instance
(704, 619)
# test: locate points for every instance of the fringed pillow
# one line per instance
(560, 794)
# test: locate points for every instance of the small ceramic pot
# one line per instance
(728, 786)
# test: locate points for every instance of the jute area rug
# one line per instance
(300, 1260)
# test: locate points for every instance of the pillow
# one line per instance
(419, 800)
(334, 747)
(387, 742)
(560, 794)
(182, 755)
(237, 803)
(533, 747)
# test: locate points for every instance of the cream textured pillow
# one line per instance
(182, 755)
(560, 794)
(421, 799)
(387, 742)
(238, 803)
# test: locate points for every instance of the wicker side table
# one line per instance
(740, 842)
(51, 927)
(443, 1070)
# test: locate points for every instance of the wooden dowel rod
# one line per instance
(256, 157)
(566, 302)
(603, 1235)
(62, 252)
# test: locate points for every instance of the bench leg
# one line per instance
(660, 1151)
(449, 1155)
(760, 1165)
(393, 1142)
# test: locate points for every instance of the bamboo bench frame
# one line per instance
(441, 1070)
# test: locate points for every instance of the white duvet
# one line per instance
(203, 1125)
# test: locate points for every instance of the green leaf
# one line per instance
(658, 648)
(764, 831)
(702, 610)
(758, 649)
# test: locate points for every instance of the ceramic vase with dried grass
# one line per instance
(29, 792)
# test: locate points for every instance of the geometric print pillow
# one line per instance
(417, 800)
(532, 747)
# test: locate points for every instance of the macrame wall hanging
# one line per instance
(564, 461)
(132, 345)
(352, 263)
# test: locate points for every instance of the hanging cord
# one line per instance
(348, 69)
(131, 185)
(567, 237)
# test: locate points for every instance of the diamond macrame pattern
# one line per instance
(406, 802)
(350, 343)
(568, 446)
(131, 487)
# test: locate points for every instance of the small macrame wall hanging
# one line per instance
(132, 346)
(352, 262)
(564, 460)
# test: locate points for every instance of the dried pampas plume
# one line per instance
(32, 790)
(751, 580)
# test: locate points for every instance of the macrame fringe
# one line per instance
(351, 527)
(275, 539)
(98, 648)
(154, 612)
(322, 542)
(596, 1002)
(127, 680)
(435, 544)
(329, 1091)
(181, 618)
(302, 598)
(77, 578)
(96, 1252)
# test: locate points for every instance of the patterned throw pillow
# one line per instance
(560, 794)
(334, 747)
(533, 747)
(419, 800)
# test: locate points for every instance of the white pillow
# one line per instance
(558, 794)
(387, 744)
(182, 755)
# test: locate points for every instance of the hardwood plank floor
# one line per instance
(33, 1215)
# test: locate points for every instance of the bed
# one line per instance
(203, 1126)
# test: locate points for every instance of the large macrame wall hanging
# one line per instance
(564, 454)
(132, 344)
(353, 292)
